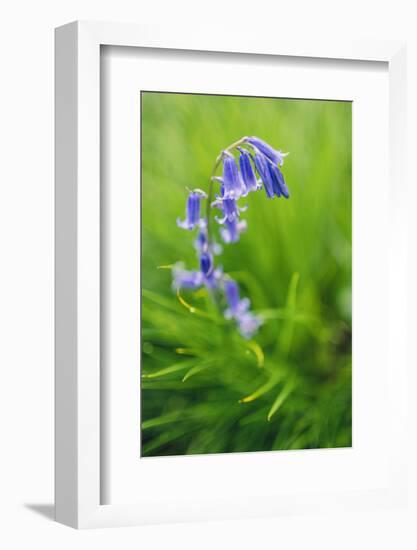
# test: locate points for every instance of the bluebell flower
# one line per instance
(248, 324)
(183, 278)
(231, 231)
(262, 166)
(206, 263)
(230, 209)
(238, 309)
(236, 305)
(192, 280)
(192, 218)
(202, 243)
(213, 278)
(248, 174)
(232, 184)
(278, 183)
(276, 157)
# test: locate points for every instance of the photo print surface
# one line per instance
(246, 274)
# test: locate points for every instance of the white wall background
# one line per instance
(26, 270)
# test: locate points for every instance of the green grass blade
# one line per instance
(281, 397)
(161, 420)
(292, 291)
(284, 342)
(160, 300)
(195, 370)
(257, 351)
(272, 382)
(168, 370)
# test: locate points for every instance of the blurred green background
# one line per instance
(204, 388)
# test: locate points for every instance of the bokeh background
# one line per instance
(204, 388)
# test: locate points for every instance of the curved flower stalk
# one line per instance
(258, 166)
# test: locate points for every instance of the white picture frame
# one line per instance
(78, 406)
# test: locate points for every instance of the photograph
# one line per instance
(246, 274)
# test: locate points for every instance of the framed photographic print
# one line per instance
(229, 331)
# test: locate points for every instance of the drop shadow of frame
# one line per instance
(45, 510)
